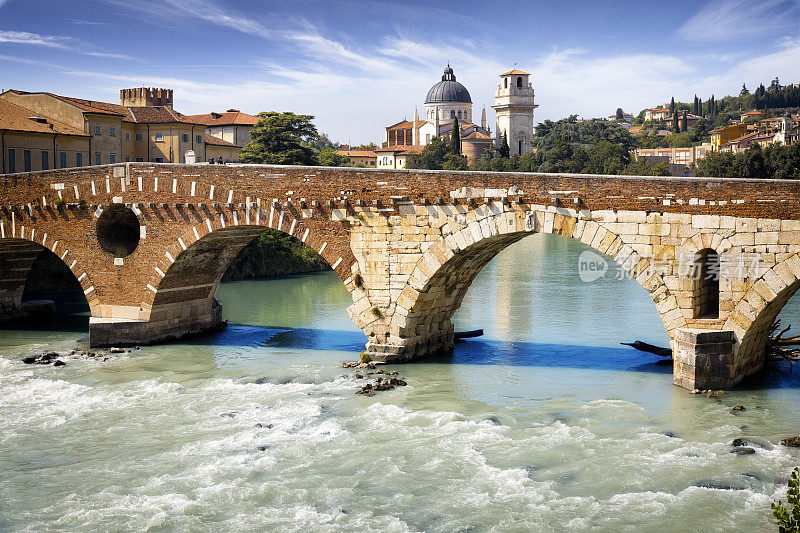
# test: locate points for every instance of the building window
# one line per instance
(185, 138)
(26, 159)
(505, 83)
(112, 158)
(97, 130)
(138, 136)
(139, 159)
(62, 156)
(452, 113)
(199, 139)
(12, 160)
(45, 160)
(459, 113)
(127, 159)
(159, 137)
(127, 136)
(79, 159)
(112, 131)
(519, 81)
(97, 159)
(159, 159)
(520, 147)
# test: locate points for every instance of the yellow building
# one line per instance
(31, 142)
(722, 136)
(221, 150)
(364, 158)
(142, 127)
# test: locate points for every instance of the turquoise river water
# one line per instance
(544, 424)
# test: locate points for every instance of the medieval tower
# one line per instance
(513, 104)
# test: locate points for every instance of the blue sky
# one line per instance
(361, 65)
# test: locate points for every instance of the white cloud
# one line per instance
(23, 37)
(730, 20)
(60, 42)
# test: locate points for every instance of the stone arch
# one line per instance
(186, 276)
(17, 256)
(420, 320)
(754, 314)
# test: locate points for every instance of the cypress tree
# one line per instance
(675, 127)
(455, 138)
(684, 122)
(504, 149)
(672, 105)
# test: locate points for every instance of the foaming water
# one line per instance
(543, 424)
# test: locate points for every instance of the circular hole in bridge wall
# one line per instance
(118, 230)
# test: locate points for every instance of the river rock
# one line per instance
(738, 408)
(743, 451)
(739, 442)
(793, 442)
(29, 360)
(59, 362)
(116, 350)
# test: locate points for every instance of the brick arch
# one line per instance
(29, 242)
(448, 267)
(198, 258)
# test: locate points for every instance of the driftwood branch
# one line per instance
(780, 347)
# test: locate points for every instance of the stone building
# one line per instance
(232, 126)
(142, 127)
(514, 105)
(446, 101)
(219, 149)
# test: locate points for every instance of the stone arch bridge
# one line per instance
(149, 244)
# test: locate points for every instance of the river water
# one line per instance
(544, 424)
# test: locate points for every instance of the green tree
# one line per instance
(455, 162)
(675, 126)
(642, 167)
(281, 139)
(432, 156)
(744, 90)
(365, 147)
(504, 149)
(619, 114)
(788, 518)
(329, 158)
(607, 158)
(684, 122)
(455, 138)
(672, 105)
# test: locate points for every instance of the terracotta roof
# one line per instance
(357, 153)
(231, 117)
(158, 115)
(476, 135)
(128, 114)
(404, 125)
(402, 149)
(753, 113)
(515, 71)
(216, 141)
(16, 118)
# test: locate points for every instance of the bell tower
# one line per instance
(513, 105)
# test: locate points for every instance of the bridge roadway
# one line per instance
(150, 242)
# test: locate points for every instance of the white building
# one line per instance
(513, 105)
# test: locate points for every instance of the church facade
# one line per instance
(449, 100)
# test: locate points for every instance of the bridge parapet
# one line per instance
(408, 244)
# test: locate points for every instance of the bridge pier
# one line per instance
(194, 322)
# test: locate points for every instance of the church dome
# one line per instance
(448, 90)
